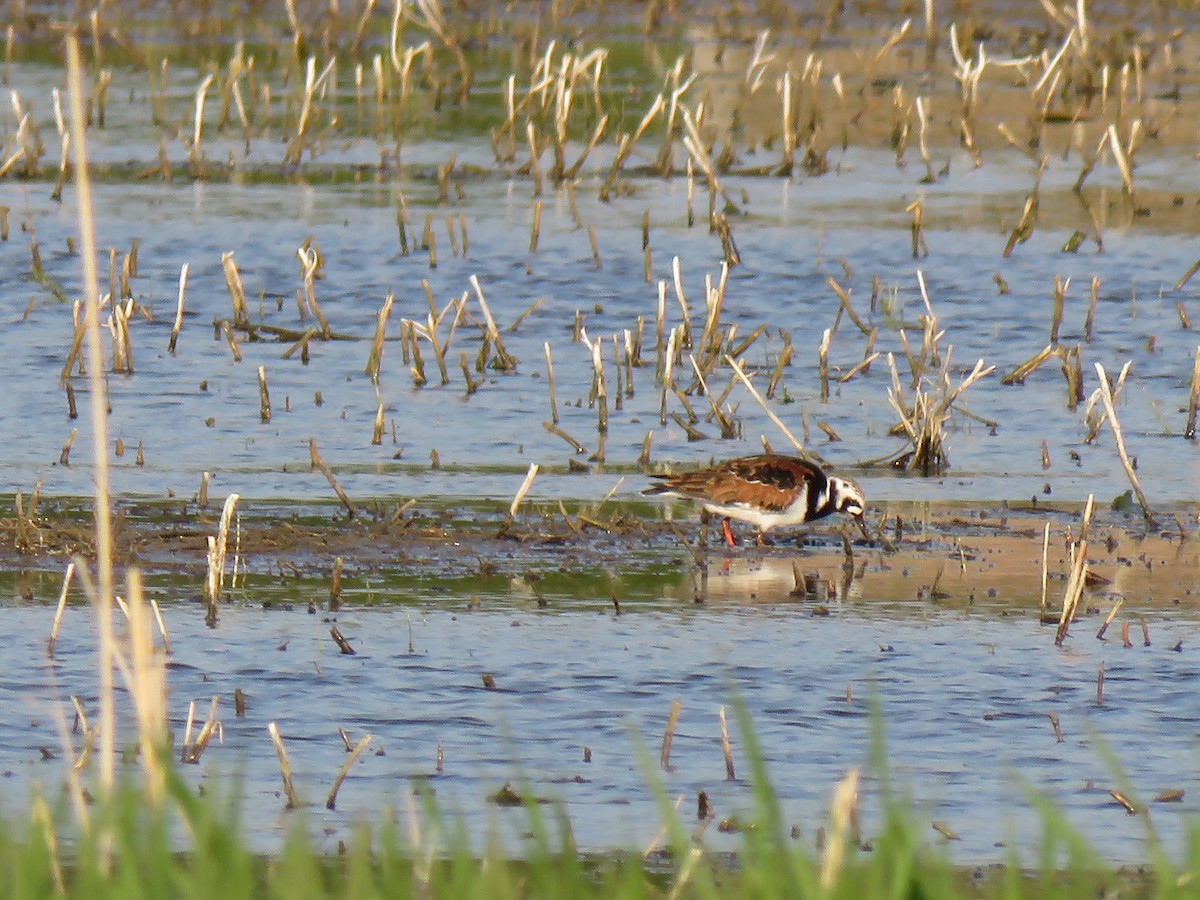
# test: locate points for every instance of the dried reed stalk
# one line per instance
(504, 360)
(519, 497)
(626, 145)
(823, 365)
(64, 456)
(924, 424)
(726, 748)
(599, 389)
(192, 752)
(724, 421)
(1189, 430)
(237, 291)
(217, 550)
(1077, 578)
(195, 155)
(1027, 368)
(343, 645)
(1187, 276)
(231, 340)
(550, 383)
(1107, 397)
(1045, 565)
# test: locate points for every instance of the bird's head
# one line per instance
(847, 497)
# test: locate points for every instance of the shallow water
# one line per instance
(785, 249)
(792, 234)
(964, 697)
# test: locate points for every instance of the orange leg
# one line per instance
(728, 532)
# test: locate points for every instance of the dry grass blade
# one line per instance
(99, 414)
(843, 815)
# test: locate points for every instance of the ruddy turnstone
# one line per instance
(767, 491)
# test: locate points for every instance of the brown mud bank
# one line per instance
(940, 554)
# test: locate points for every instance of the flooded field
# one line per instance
(580, 692)
(380, 270)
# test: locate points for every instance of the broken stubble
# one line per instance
(318, 463)
(375, 357)
(1112, 614)
(183, 279)
(192, 752)
(726, 748)
(237, 293)
(264, 398)
(60, 609)
(64, 456)
(285, 767)
(505, 362)
(664, 755)
(331, 800)
(519, 497)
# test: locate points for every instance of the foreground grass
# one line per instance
(192, 846)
